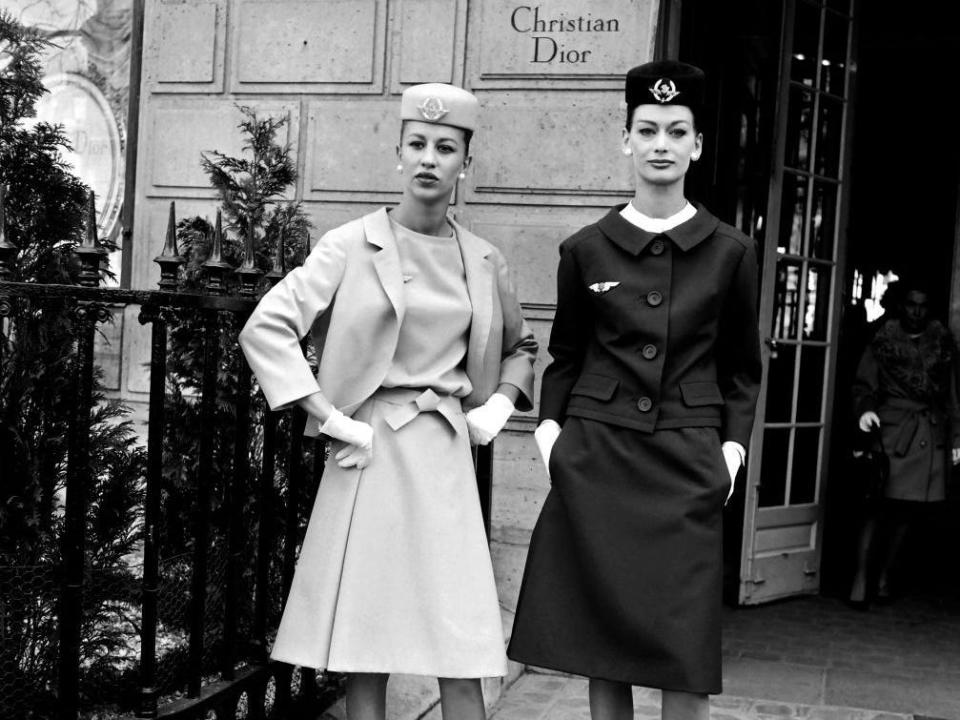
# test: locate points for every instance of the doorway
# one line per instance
(903, 219)
(762, 172)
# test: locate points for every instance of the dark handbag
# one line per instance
(871, 467)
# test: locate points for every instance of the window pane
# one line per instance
(806, 36)
(834, 63)
(806, 454)
(773, 473)
(823, 219)
(799, 129)
(812, 385)
(793, 214)
(786, 299)
(829, 134)
(816, 312)
(780, 385)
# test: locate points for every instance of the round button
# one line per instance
(649, 351)
(657, 247)
(654, 298)
(644, 404)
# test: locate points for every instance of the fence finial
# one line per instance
(90, 251)
(8, 251)
(169, 258)
(215, 264)
(248, 271)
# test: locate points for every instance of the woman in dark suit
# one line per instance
(645, 414)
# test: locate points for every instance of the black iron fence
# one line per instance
(190, 616)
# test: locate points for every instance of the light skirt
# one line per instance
(394, 575)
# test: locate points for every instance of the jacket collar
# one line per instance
(686, 235)
(479, 272)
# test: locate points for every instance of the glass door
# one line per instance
(801, 270)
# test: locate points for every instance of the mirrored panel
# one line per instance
(833, 65)
(786, 316)
(812, 383)
(799, 129)
(806, 455)
(806, 37)
(829, 135)
(816, 310)
(793, 214)
(773, 474)
(823, 219)
(780, 379)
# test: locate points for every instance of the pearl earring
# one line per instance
(627, 151)
(399, 168)
(463, 176)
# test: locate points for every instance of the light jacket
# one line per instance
(349, 290)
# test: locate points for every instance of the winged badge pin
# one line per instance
(601, 287)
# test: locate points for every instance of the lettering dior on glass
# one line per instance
(540, 26)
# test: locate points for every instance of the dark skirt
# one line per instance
(623, 577)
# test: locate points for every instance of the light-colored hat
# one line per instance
(440, 103)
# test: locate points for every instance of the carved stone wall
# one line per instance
(546, 157)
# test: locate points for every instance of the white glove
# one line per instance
(546, 435)
(486, 421)
(869, 420)
(357, 435)
(734, 455)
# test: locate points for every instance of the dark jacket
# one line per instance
(656, 331)
(910, 384)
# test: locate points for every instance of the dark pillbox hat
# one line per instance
(665, 82)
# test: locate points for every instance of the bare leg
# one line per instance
(610, 700)
(684, 706)
(461, 699)
(367, 696)
(858, 590)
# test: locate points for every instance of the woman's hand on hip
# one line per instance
(484, 423)
(356, 434)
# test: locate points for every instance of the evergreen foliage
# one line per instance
(44, 209)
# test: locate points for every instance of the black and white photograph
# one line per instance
(479, 360)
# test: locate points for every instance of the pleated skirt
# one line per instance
(623, 577)
(394, 575)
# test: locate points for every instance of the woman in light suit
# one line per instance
(424, 351)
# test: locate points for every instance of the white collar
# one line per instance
(657, 225)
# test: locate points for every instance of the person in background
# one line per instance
(424, 352)
(645, 413)
(905, 387)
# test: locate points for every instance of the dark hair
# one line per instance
(467, 136)
(629, 122)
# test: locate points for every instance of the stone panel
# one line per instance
(529, 241)
(182, 129)
(560, 41)
(550, 149)
(351, 151)
(294, 43)
(183, 47)
(425, 42)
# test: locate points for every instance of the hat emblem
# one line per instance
(432, 109)
(663, 90)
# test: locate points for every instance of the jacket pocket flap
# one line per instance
(696, 394)
(598, 387)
